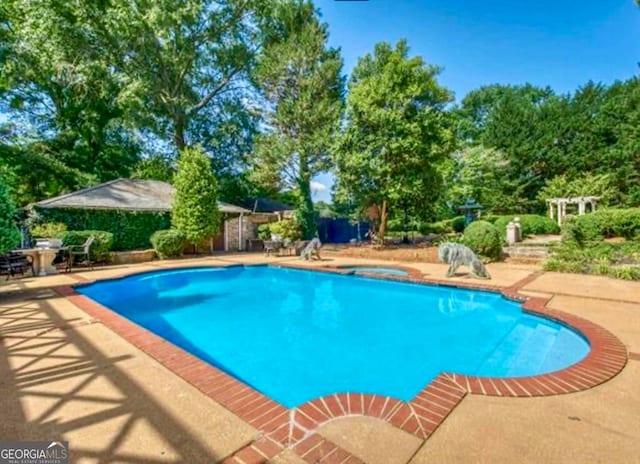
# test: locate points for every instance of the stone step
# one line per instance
(527, 251)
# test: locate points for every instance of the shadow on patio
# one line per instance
(63, 376)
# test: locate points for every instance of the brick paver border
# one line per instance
(295, 428)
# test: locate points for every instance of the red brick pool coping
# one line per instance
(295, 428)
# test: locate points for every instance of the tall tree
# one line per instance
(184, 60)
(300, 77)
(195, 206)
(9, 234)
(396, 130)
(61, 95)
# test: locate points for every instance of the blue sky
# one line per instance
(561, 43)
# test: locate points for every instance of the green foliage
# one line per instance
(48, 229)
(9, 233)
(532, 224)
(446, 226)
(168, 243)
(540, 134)
(480, 173)
(131, 230)
(396, 131)
(100, 247)
(457, 224)
(264, 231)
(287, 229)
(154, 167)
(618, 260)
(65, 96)
(195, 205)
(483, 238)
(602, 224)
(600, 185)
(299, 75)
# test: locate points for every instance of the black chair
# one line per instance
(16, 263)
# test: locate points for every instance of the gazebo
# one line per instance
(560, 205)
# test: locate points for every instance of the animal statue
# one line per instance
(457, 255)
(312, 248)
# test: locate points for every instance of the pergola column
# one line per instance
(581, 206)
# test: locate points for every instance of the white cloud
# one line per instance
(317, 186)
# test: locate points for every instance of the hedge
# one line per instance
(131, 229)
(483, 238)
(532, 224)
(446, 226)
(168, 243)
(101, 246)
(602, 224)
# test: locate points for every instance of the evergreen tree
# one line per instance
(300, 78)
(195, 206)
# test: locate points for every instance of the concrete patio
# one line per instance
(66, 375)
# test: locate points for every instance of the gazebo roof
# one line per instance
(126, 194)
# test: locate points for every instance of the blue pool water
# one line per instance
(376, 270)
(295, 335)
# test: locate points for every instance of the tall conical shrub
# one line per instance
(195, 205)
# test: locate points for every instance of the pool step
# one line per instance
(559, 358)
(524, 351)
(533, 353)
(505, 354)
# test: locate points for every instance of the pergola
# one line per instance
(561, 206)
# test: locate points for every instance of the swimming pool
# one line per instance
(295, 335)
(376, 270)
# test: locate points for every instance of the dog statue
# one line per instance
(312, 248)
(457, 255)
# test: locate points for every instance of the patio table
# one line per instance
(42, 259)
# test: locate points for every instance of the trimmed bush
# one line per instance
(457, 224)
(168, 243)
(131, 229)
(101, 245)
(532, 224)
(483, 238)
(602, 224)
(48, 230)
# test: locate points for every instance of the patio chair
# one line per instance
(82, 252)
(16, 263)
(272, 246)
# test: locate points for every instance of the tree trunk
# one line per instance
(383, 222)
(305, 213)
(179, 125)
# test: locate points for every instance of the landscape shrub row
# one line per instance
(602, 224)
(131, 230)
(101, 246)
(532, 224)
(619, 260)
